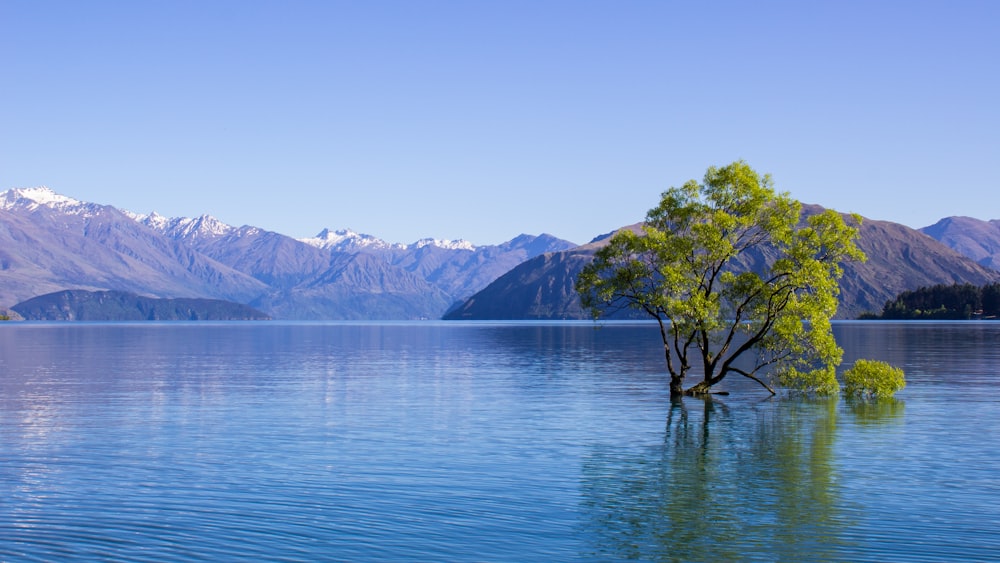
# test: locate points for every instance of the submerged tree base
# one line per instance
(703, 389)
(699, 390)
(696, 391)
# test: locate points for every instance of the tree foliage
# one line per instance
(730, 271)
(944, 302)
(873, 379)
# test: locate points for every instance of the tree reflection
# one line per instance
(876, 411)
(754, 482)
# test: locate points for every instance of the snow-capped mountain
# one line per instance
(30, 199)
(204, 226)
(51, 242)
(346, 240)
(459, 244)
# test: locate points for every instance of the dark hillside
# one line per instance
(80, 305)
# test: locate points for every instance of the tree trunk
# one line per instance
(702, 388)
(676, 387)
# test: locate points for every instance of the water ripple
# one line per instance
(466, 442)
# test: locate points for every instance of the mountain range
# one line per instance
(50, 242)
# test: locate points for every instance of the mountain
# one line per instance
(345, 275)
(50, 242)
(278, 261)
(359, 287)
(79, 305)
(975, 238)
(457, 267)
(540, 288)
(899, 258)
(346, 240)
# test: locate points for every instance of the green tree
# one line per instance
(730, 271)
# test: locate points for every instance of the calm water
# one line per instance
(480, 442)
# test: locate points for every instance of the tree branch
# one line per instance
(755, 378)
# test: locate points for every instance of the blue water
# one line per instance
(480, 442)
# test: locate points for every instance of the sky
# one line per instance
(482, 120)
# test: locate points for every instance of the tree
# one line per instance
(729, 271)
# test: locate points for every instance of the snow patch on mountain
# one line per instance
(153, 220)
(207, 226)
(204, 226)
(346, 240)
(30, 199)
(459, 244)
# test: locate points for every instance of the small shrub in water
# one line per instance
(871, 378)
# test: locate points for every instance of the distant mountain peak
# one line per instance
(154, 220)
(205, 226)
(459, 244)
(209, 225)
(41, 196)
(344, 240)
(974, 238)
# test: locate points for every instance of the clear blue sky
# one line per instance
(482, 120)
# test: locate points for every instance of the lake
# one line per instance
(438, 441)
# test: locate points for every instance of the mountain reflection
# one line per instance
(744, 483)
